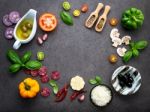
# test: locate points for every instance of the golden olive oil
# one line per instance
(24, 29)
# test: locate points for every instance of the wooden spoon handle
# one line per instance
(98, 8)
(107, 10)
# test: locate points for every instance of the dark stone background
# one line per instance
(74, 50)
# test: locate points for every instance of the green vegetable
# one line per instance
(33, 65)
(127, 56)
(141, 45)
(66, 18)
(132, 18)
(92, 81)
(26, 57)
(40, 56)
(135, 52)
(13, 57)
(55, 89)
(96, 81)
(52, 83)
(66, 5)
(54, 86)
(14, 68)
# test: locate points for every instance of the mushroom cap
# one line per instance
(114, 33)
(121, 51)
(126, 40)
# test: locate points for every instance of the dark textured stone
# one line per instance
(74, 50)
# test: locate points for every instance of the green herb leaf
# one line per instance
(127, 56)
(132, 45)
(55, 89)
(33, 65)
(141, 44)
(14, 68)
(66, 18)
(98, 79)
(92, 81)
(26, 57)
(135, 52)
(52, 83)
(13, 57)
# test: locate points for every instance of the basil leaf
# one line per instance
(127, 56)
(14, 68)
(132, 45)
(141, 44)
(52, 83)
(26, 57)
(135, 52)
(33, 65)
(98, 79)
(92, 81)
(55, 89)
(13, 57)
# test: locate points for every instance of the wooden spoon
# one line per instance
(93, 16)
(102, 19)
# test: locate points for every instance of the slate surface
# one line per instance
(74, 50)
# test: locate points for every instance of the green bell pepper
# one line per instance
(132, 18)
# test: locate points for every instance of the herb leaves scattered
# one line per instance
(96, 81)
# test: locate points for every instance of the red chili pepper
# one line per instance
(60, 96)
(75, 94)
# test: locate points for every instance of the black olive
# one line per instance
(130, 79)
(125, 69)
(122, 84)
(135, 73)
(129, 85)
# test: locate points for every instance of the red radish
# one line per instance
(55, 75)
(45, 79)
(43, 71)
(28, 72)
(34, 73)
(45, 92)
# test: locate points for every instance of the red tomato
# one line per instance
(47, 22)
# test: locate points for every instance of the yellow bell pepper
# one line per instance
(29, 88)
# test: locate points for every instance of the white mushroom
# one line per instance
(114, 33)
(126, 40)
(121, 51)
(116, 42)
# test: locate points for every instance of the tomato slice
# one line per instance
(47, 22)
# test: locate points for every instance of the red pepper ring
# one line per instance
(60, 96)
(75, 94)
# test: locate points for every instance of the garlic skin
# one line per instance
(121, 51)
(126, 40)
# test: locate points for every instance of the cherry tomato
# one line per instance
(47, 22)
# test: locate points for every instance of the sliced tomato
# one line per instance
(47, 22)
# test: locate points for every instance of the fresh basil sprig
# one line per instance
(96, 81)
(134, 50)
(24, 62)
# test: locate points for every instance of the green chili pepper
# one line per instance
(66, 18)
